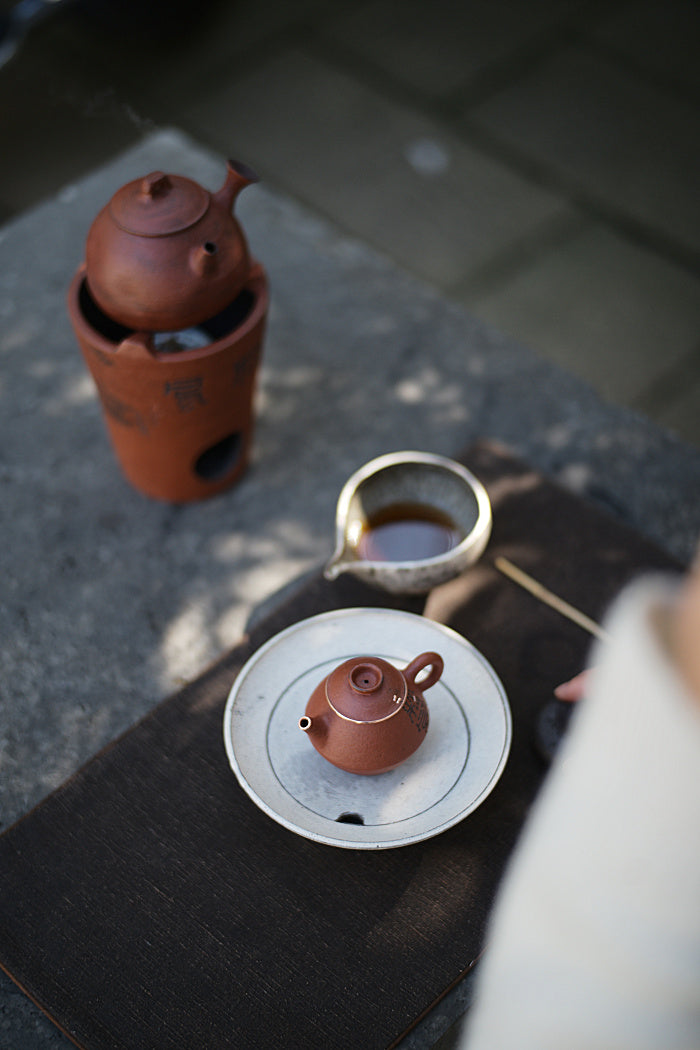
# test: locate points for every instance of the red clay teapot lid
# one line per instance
(158, 205)
(366, 690)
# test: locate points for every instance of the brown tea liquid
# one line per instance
(407, 532)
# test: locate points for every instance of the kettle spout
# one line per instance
(238, 176)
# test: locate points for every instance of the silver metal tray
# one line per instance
(450, 774)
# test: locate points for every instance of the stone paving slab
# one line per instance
(661, 38)
(396, 179)
(111, 600)
(157, 78)
(415, 50)
(53, 126)
(681, 414)
(627, 144)
(602, 306)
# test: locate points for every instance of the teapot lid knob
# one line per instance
(366, 678)
(366, 690)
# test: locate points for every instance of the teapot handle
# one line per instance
(432, 660)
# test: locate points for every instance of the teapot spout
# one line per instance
(315, 728)
(238, 176)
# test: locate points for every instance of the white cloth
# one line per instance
(595, 938)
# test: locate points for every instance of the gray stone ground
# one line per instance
(110, 600)
(537, 162)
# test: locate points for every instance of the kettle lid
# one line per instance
(158, 204)
(366, 690)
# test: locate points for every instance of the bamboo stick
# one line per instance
(544, 595)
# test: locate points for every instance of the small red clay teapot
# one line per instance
(367, 716)
(165, 254)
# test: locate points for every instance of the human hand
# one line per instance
(684, 632)
(574, 688)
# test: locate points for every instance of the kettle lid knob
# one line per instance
(158, 204)
(155, 185)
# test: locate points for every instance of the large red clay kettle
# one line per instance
(166, 254)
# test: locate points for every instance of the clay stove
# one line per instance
(169, 311)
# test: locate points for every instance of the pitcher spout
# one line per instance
(338, 564)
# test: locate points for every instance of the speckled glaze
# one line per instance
(367, 716)
(411, 477)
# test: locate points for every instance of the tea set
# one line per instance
(327, 726)
(337, 730)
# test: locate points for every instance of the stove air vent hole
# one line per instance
(219, 460)
(350, 818)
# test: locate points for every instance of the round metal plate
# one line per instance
(450, 774)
